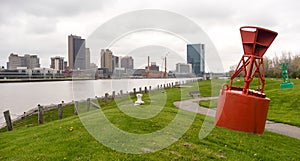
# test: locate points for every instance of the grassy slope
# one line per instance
(57, 141)
(284, 106)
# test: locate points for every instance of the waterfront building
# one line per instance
(106, 59)
(28, 61)
(77, 52)
(34, 73)
(196, 57)
(88, 58)
(183, 68)
(116, 61)
(65, 64)
(127, 62)
(57, 63)
(153, 67)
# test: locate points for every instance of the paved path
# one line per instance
(279, 128)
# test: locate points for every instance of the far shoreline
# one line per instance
(37, 80)
(64, 79)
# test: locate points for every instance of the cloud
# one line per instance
(38, 25)
(42, 26)
(50, 8)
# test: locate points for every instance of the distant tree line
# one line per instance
(272, 68)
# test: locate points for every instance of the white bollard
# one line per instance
(139, 99)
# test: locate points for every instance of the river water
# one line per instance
(21, 97)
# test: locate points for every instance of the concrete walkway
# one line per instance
(280, 128)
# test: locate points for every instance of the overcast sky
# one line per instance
(41, 26)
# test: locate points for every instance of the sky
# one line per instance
(41, 27)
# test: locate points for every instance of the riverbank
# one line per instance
(74, 79)
(21, 97)
(68, 139)
(37, 80)
(17, 116)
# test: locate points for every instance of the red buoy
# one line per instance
(244, 109)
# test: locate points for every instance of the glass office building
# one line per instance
(196, 57)
(77, 52)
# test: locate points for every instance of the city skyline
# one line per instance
(78, 43)
(45, 25)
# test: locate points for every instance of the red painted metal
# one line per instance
(243, 109)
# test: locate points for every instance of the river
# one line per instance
(21, 97)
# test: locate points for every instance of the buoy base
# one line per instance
(287, 85)
(241, 112)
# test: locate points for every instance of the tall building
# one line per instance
(65, 64)
(88, 58)
(76, 52)
(57, 63)
(127, 62)
(116, 63)
(28, 61)
(196, 57)
(106, 59)
(32, 61)
(183, 68)
(14, 61)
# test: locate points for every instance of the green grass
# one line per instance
(211, 87)
(284, 106)
(55, 141)
(285, 103)
(209, 104)
(68, 139)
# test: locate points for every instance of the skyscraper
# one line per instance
(107, 59)
(116, 62)
(196, 57)
(28, 61)
(76, 52)
(57, 63)
(88, 58)
(127, 62)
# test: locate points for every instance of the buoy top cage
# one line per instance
(255, 41)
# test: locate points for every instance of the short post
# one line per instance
(121, 92)
(40, 114)
(161, 86)
(149, 88)
(164, 86)
(106, 97)
(8, 120)
(113, 95)
(134, 91)
(59, 108)
(76, 108)
(140, 89)
(157, 86)
(172, 84)
(88, 104)
(146, 91)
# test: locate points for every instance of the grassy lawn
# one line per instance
(284, 106)
(68, 139)
(209, 104)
